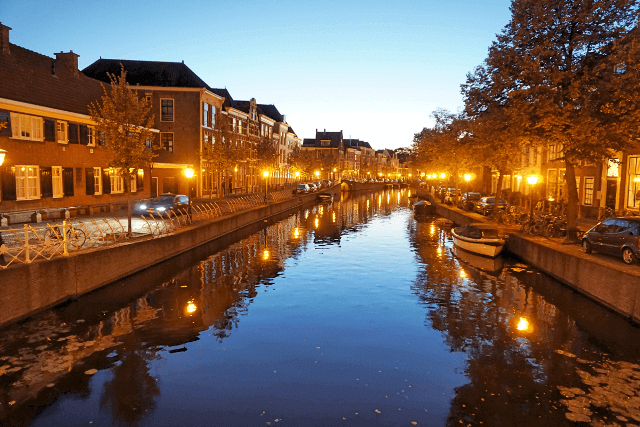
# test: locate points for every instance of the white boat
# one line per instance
(479, 238)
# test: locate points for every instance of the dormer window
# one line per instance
(325, 142)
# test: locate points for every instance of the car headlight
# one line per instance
(142, 207)
(161, 209)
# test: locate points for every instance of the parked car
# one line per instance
(312, 187)
(615, 236)
(302, 189)
(450, 195)
(166, 202)
(326, 183)
(468, 201)
(485, 205)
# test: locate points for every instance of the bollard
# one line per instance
(38, 217)
(4, 222)
(64, 238)
(67, 214)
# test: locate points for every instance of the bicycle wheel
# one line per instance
(78, 235)
(51, 234)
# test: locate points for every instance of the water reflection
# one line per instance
(323, 303)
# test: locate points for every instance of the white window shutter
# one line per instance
(15, 125)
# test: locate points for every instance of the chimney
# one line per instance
(4, 39)
(68, 61)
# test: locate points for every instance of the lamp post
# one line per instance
(265, 174)
(532, 180)
(467, 178)
(188, 172)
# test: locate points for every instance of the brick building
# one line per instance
(53, 157)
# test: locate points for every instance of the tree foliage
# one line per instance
(267, 153)
(124, 121)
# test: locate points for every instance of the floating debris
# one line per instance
(91, 371)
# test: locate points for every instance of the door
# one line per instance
(154, 186)
(612, 189)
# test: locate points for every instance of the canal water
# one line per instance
(354, 313)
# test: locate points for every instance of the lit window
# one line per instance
(205, 114)
(588, 191)
(117, 183)
(166, 141)
(97, 181)
(27, 182)
(26, 127)
(91, 136)
(61, 132)
(613, 166)
(166, 110)
(552, 152)
(56, 181)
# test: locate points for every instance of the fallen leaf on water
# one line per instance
(572, 416)
(91, 371)
(377, 411)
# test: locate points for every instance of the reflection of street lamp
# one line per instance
(266, 175)
(188, 172)
(532, 180)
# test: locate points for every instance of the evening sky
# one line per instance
(373, 69)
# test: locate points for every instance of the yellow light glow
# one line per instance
(432, 231)
(317, 173)
(519, 177)
(334, 217)
(636, 179)
(467, 177)
(265, 174)
(296, 233)
(235, 169)
(188, 172)
(524, 325)
(140, 172)
(191, 307)
(463, 274)
(439, 250)
(367, 203)
(532, 179)
(443, 175)
(422, 174)
(317, 223)
(265, 254)
(334, 169)
(2, 154)
(297, 174)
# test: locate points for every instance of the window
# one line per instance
(56, 181)
(552, 152)
(166, 110)
(239, 126)
(325, 142)
(91, 135)
(633, 197)
(588, 191)
(116, 181)
(26, 127)
(27, 182)
(133, 183)
(61, 132)
(613, 166)
(97, 181)
(166, 141)
(205, 114)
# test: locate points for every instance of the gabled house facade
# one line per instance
(328, 151)
(54, 159)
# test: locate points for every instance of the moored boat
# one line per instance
(479, 238)
(423, 207)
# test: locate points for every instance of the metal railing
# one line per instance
(44, 241)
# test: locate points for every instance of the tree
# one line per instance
(556, 62)
(267, 153)
(445, 146)
(124, 121)
(301, 161)
(221, 152)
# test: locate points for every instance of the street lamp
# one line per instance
(266, 175)
(188, 172)
(532, 180)
(467, 178)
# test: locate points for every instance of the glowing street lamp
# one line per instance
(2, 154)
(467, 178)
(188, 172)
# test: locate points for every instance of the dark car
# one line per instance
(167, 202)
(485, 205)
(468, 201)
(615, 236)
(302, 189)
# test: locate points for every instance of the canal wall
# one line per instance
(616, 287)
(29, 288)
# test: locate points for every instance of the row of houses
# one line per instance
(612, 183)
(351, 158)
(53, 159)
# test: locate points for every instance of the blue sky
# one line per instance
(375, 70)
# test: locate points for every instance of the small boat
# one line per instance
(479, 238)
(325, 197)
(423, 207)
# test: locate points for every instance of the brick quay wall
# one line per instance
(28, 288)
(609, 282)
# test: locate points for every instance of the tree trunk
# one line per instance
(128, 190)
(572, 204)
(498, 190)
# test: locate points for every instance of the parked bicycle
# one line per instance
(75, 236)
(608, 213)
